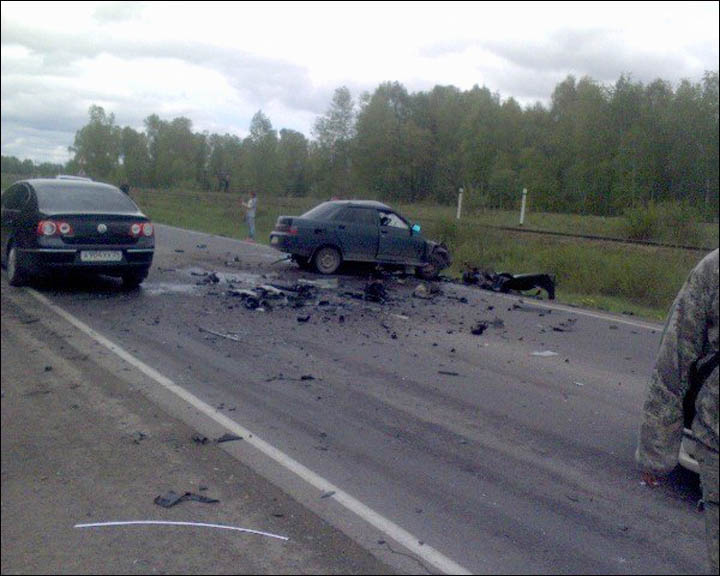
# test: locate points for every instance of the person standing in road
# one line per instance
(687, 359)
(250, 214)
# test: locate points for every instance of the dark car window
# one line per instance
(72, 197)
(324, 211)
(14, 198)
(393, 220)
(355, 215)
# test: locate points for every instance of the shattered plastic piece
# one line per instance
(375, 292)
(545, 354)
(479, 328)
(328, 283)
(426, 292)
(228, 438)
(446, 373)
(200, 439)
(307, 377)
(328, 494)
(171, 499)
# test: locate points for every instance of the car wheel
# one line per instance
(15, 269)
(327, 260)
(432, 268)
(132, 280)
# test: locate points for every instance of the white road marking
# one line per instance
(168, 523)
(386, 526)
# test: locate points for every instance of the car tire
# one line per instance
(132, 280)
(17, 275)
(431, 270)
(327, 260)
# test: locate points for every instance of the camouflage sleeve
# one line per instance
(682, 344)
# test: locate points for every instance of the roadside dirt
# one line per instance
(81, 446)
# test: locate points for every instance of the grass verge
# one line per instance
(614, 277)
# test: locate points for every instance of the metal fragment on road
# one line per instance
(545, 354)
(169, 523)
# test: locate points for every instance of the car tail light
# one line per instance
(138, 229)
(46, 228)
(51, 228)
(293, 230)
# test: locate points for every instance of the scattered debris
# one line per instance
(479, 328)
(446, 373)
(545, 354)
(328, 494)
(200, 439)
(505, 282)
(170, 499)
(375, 292)
(426, 292)
(303, 319)
(228, 438)
(221, 335)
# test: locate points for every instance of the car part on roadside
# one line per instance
(505, 282)
(375, 292)
(170, 499)
(228, 438)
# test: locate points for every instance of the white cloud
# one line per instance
(218, 63)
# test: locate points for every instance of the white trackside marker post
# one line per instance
(459, 210)
(522, 206)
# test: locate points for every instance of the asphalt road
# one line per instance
(509, 451)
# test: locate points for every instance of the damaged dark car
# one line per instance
(357, 231)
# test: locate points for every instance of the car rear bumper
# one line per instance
(48, 259)
(291, 244)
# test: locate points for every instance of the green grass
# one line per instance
(615, 277)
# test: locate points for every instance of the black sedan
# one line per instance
(72, 224)
(360, 231)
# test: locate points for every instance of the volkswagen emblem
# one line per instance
(102, 228)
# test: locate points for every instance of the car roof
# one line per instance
(362, 203)
(50, 184)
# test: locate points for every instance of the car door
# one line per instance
(398, 243)
(357, 232)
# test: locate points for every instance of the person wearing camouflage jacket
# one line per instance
(690, 341)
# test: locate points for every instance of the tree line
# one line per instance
(595, 149)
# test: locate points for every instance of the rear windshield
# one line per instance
(322, 212)
(71, 197)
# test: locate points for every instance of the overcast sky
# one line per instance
(219, 63)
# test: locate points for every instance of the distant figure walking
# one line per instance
(250, 206)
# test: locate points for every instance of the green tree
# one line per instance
(293, 160)
(97, 145)
(334, 133)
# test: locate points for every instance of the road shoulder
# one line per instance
(81, 445)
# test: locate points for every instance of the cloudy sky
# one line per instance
(219, 63)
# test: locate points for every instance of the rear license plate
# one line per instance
(101, 256)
